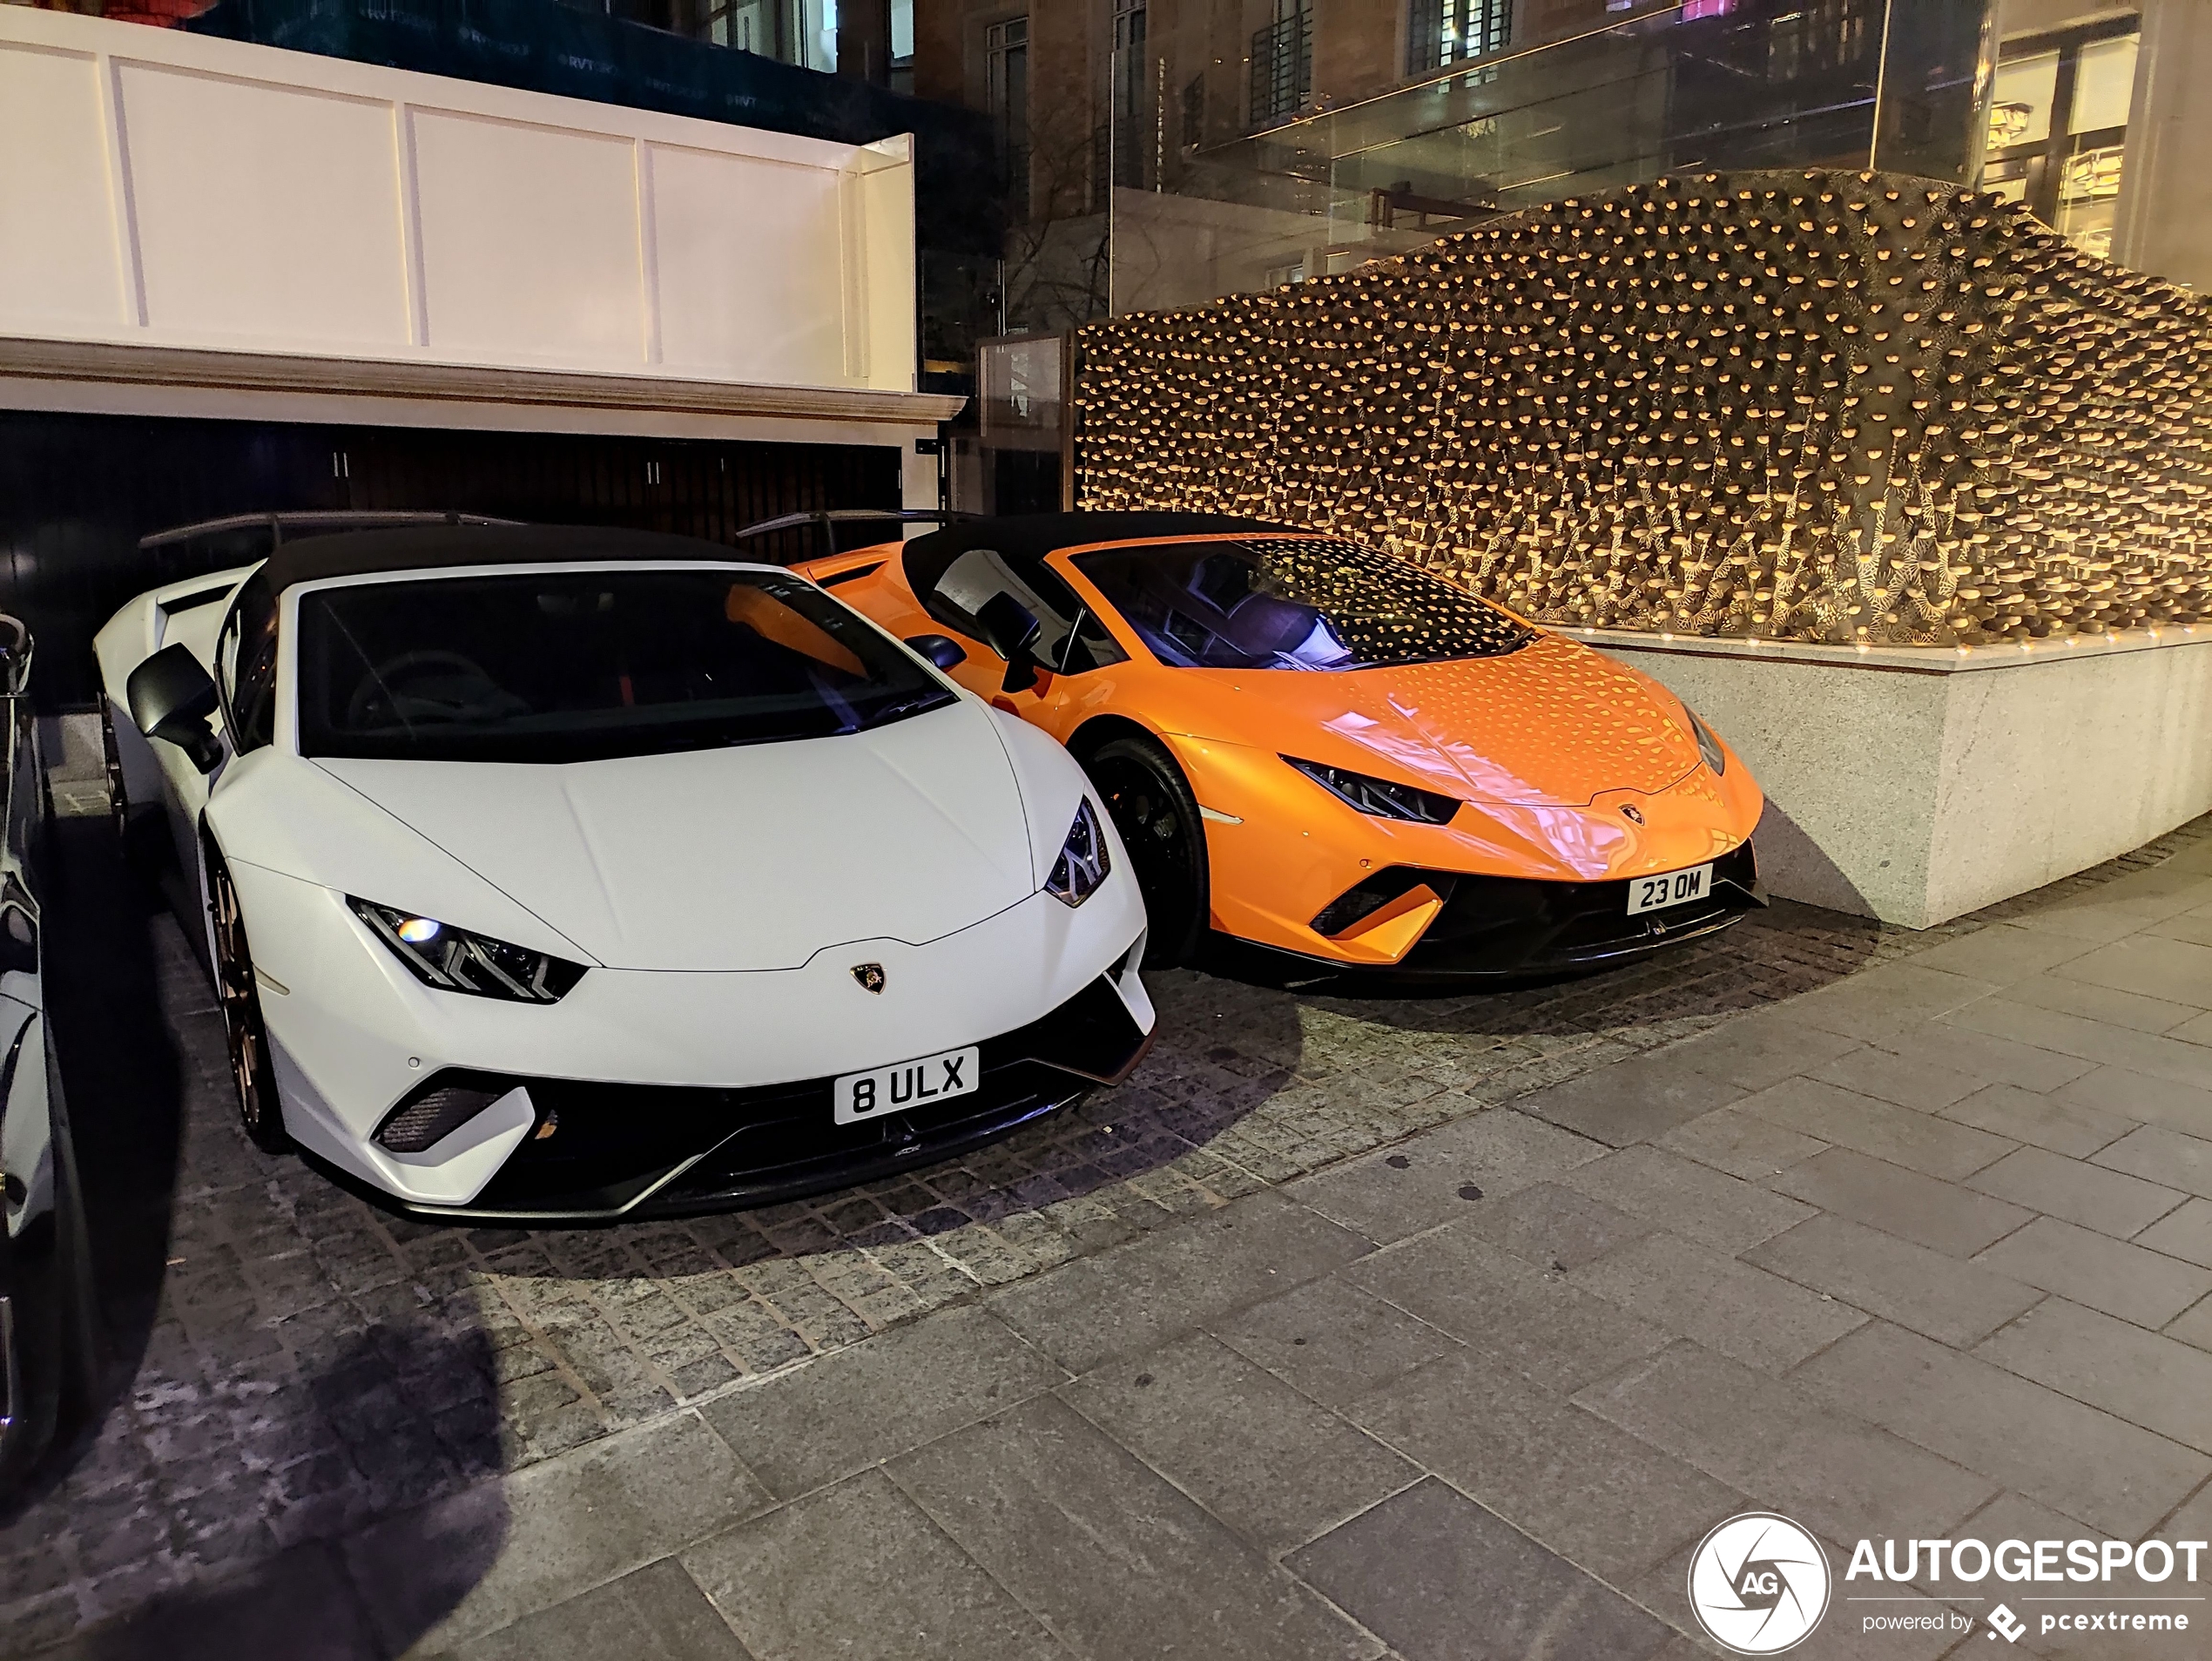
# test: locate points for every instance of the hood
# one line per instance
(750, 858)
(1554, 724)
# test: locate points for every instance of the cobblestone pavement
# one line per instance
(1733, 1196)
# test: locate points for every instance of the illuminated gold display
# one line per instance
(1841, 407)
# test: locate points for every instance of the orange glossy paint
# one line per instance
(1546, 745)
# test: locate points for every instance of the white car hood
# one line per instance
(754, 857)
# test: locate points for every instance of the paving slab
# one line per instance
(1916, 1084)
(1439, 1578)
(848, 1409)
(1159, 1288)
(1777, 1442)
(2003, 953)
(858, 1571)
(2151, 1054)
(1741, 1144)
(657, 1613)
(1267, 1462)
(2072, 1456)
(1331, 1340)
(1726, 1305)
(2143, 1377)
(2130, 1280)
(1578, 1485)
(1885, 1001)
(1762, 1049)
(1632, 1101)
(2194, 1327)
(2114, 1008)
(2042, 1120)
(1687, 1198)
(1900, 1202)
(1532, 1318)
(2126, 1093)
(1114, 1560)
(1999, 1058)
(1923, 1290)
(2150, 966)
(2185, 1232)
(2162, 1155)
(2109, 1201)
(468, 1564)
(1421, 1182)
(1934, 1147)
(1554, 1228)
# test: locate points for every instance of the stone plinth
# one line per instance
(1916, 784)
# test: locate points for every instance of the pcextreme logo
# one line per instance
(1758, 1583)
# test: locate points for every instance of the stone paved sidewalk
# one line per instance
(1446, 1327)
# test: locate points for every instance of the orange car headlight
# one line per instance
(1709, 746)
(1379, 798)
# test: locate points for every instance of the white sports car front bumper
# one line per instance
(646, 1092)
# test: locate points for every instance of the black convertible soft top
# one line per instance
(1032, 535)
(437, 547)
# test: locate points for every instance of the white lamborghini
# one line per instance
(576, 874)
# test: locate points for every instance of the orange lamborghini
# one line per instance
(1320, 749)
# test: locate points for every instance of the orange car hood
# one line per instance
(1553, 723)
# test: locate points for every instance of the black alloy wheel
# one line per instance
(248, 1038)
(1151, 806)
(118, 799)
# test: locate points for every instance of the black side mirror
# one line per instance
(944, 653)
(170, 697)
(1012, 628)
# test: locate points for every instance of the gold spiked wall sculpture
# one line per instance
(1823, 406)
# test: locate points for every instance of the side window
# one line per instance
(1069, 639)
(245, 654)
(1090, 646)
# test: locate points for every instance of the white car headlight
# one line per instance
(1082, 863)
(455, 960)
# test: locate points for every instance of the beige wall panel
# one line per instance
(57, 251)
(728, 226)
(529, 243)
(264, 211)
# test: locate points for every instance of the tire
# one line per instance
(246, 1034)
(1149, 801)
(118, 798)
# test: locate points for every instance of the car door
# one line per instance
(1070, 642)
(44, 1322)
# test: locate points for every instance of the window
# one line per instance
(1069, 639)
(1007, 50)
(1304, 603)
(1282, 64)
(245, 653)
(582, 666)
(1194, 113)
(2058, 127)
(1130, 122)
(1444, 31)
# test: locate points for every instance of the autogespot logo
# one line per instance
(1758, 1583)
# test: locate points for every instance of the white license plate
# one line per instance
(1676, 888)
(907, 1085)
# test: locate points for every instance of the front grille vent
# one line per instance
(436, 1114)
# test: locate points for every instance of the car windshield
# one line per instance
(579, 665)
(1304, 602)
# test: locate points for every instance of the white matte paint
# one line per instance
(747, 858)
(164, 189)
(720, 900)
(1916, 787)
